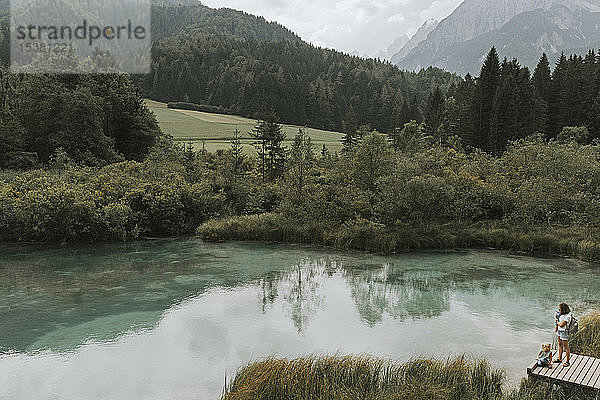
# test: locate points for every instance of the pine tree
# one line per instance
(237, 156)
(593, 121)
(485, 94)
(269, 136)
(558, 101)
(435, 114)
(350, 127)
(542, 79)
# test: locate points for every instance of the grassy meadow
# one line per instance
(214, 131)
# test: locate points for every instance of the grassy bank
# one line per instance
(368, 236)
(361, 377)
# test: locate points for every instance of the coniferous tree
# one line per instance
(593, 122)
(435, 114)
(350, 127)
(485, 95)
(237, 157)
(269, 136)
(324, 151)
(452, 124)
(542, 79)
(558, 102)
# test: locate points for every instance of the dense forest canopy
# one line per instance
(507, 102)
(91, 119)
(169, 20)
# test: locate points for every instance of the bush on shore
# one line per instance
(115, 203)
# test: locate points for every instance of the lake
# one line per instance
(173, 319)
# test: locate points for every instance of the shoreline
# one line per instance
(374, 238)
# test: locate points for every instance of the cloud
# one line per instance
(366, 26)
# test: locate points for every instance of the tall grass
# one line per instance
(362, 377)
(587, 340)
(369, 378)
(370, 236)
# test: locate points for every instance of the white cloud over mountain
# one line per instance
(365, 26)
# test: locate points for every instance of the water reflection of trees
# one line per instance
(400, 294)
(423, 291)
(375, 292)
(298, 289)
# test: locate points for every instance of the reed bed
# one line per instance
(370, 378)
(369, 236)
(363, 377)
(587, 340)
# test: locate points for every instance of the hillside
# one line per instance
(172, 17)
(424, 31)
(263, 67)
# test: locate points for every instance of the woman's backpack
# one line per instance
(573, 326)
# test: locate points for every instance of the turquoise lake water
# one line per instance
(172, 319)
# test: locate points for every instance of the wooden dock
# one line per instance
(584, 372)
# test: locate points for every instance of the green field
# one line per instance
(214, 131)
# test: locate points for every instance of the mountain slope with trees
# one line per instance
(251, 73)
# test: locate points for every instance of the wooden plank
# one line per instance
(549, 371)
(557, 368)
(595, 381)
(587, 379)
(541, 371)
(583, 371)
(574, 376)
(564, 371)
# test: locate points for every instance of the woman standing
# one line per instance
(563, 319)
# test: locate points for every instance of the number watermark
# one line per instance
(80, 36)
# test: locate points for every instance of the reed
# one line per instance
(587, 340)
(370, 378)
(370, 236)
(364, 377)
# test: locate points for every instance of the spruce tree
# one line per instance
(350, 127)
(269, 136)
(558, 100)
(435, 114)
(542, 79)
(485, 94)
(237, 156)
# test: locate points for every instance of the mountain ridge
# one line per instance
(517, 28)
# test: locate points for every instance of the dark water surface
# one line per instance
(168, 319)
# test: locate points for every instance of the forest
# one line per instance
(507, 159)
(235, 61)
(506, 102)
(94, 119)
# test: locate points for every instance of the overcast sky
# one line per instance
(366, 26)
